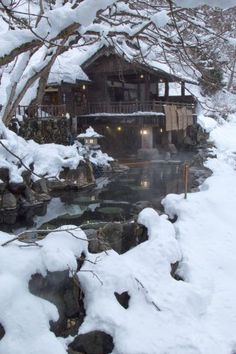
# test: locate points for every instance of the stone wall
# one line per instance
(45, 131)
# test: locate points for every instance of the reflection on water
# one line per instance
(118, 199)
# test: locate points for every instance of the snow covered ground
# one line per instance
(205, 231)
(195, 316)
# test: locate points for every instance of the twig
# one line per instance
(42, 231)
(76, 278)
(18, 158)
(93, 273)
(147, 293)
(31, 244)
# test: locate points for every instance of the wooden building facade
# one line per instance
(138, 103)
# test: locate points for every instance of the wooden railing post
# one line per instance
(186, 178)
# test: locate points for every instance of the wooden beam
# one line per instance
(166, 89)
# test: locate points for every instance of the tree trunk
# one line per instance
(15, 101)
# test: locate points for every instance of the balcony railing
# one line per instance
(42, 111)
(126, 107)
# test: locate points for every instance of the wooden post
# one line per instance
(182, 88)
(147, 87)
(157, 91)
(186, 175)
(166, 89)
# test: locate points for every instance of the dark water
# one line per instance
(117, 198)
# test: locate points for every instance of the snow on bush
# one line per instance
(48, 159)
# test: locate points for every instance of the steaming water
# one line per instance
(117, 198)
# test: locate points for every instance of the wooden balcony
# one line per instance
(126, 108)
(43, 112)
(153, 110)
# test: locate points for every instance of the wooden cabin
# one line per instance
(133, 105)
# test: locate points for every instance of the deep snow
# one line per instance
(195, 316)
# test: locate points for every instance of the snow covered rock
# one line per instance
(25, 317)
(61, 289)
(95, 342)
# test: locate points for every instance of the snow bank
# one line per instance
(48, 159)
(206, 233)
(144, 272)
(164, 315)
(26, 317)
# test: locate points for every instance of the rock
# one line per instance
(2, 186)
(2, 331)
(96, 342)
(123, 299)
(26, 175)
(8, 216)
(64, 292)
(68, 184)
(111, 213)
(30, 195)
(54, 184)
(8, 201)
(111, 234)
(121, 237)
(16, 188)
(79, 177)
(4, 174)
(71, 351)
(141, 234)
(40, 186)
(94, 245)
(44, 197)
(174, 271)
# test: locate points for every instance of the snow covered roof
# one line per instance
(90, 133)
(153, 62)
(67, 67)
(71, 65)
(67, 70)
